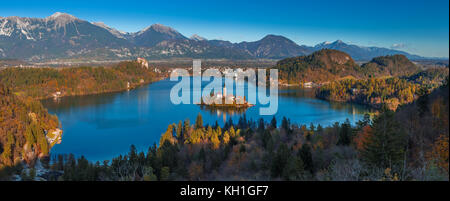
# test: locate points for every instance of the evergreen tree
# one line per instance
(293, 169)
(345, 133)
(7, 154)
(386, 145)
(286, 125)
(186, 129)
(319, 129)
(364, 122)
(179, 131)
(305, 154)
(199, 121)
(422, 102)
(280, 160)
(261, 125)
(273, 123)
(216, 125)
(132, 154)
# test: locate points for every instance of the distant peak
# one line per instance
(324, 43)
(61, 19)
(197, 38)
(61, 15)
(158, 27)
(162, 28)
(327, 43)
(273, 36)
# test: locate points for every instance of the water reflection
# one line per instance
(105, 125)
(222, 112)
(307, 94)
(66, 103)
(143, 102)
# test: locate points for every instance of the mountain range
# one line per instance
(65, 36)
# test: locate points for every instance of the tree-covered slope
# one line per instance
(321, 66)
(395, 65)
(24, 123)
(45, 82)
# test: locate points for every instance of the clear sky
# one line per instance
(416, 26)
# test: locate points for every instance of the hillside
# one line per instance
(430, 78)
(326, 65)
(27, 131)
(391, 92)
(395, 65)
(427, 122)
(384, 81)
(46, 82)
(377, 93)
(319, 67)
(24, 124)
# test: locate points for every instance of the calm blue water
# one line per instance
(103, 126)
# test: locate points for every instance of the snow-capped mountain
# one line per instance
(155, 34)
(59, 35)
(115, 32)
(64, 36)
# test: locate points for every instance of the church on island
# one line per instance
(225, 100)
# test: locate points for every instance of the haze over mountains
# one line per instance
(65, 36)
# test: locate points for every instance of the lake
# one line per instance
(103, 126)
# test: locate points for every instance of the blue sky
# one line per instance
(416, 26)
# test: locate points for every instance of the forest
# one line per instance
(379, 92)
(384, 81)
(45, 82)
(319, 67)
(408, 144)
(25, 124)
(322, 66)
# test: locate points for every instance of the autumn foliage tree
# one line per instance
(439, 153)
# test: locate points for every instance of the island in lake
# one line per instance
(224, 100)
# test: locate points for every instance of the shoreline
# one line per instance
(223, 109)
(60, 129)
(102, 92)
(237, 106)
